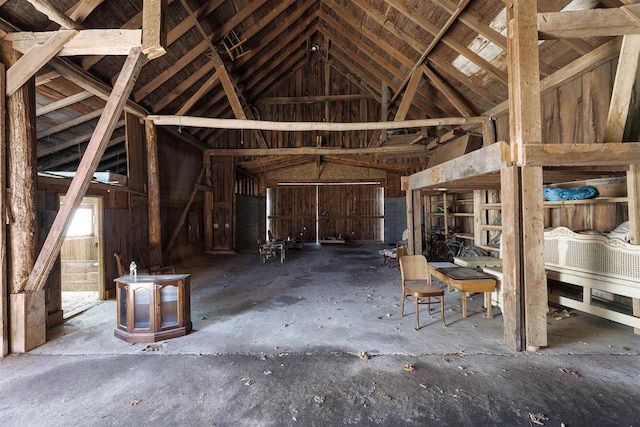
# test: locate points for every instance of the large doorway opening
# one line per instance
(327, 212)
(82, 259)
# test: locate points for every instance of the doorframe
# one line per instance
(103, 294)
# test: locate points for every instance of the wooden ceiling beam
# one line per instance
(419, 46)
(290, 20)
(82, 9)
(49, 164)
(184, 86)
(469, 20)
(424, 107)
(64, 102)
(234, 94)
(409, 95)
(266, 71)
(360, 84)
(580, 24)
(190, 121)
(202, 91)
(288, 100)
(68, 125)
(373, 85)
(624, 82)
(55, 15)
(80, 77)
(32, 61)
(154, 35)
(70, 143)
(377, 40)
(452, 96)
(370, 163)
(295, 35)
(286, 65)
(84, 42)
(437, 38)
(200, 49)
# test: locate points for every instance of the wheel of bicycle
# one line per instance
(442, 251)
(469, 251)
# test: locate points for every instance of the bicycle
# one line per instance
(449, 248)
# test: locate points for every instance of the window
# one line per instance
(81, 223)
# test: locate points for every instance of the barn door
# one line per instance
(353, 212)
(292, 212)
(223, 180)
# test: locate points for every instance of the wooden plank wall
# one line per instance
(292, 212)
(576, 112)
(354, 211)
(126, 217)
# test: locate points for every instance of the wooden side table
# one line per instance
(465, 280)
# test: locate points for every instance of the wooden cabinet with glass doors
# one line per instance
(152, 308)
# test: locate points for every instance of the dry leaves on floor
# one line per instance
(537, 419)
(570, 371)
(319, 400)
(364, 356)
(560, 314)
(135, 402)
(409, 368)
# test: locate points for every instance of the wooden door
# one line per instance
(354, 212)
(223, 180)
(292, 212)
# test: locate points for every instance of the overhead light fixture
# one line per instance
(315, 48)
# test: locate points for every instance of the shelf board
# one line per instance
(563, 203)
(490, 248)
(491, 206)
(464, 202)
(491, 227)
(466, 236)
(597, 200)
(469, 214)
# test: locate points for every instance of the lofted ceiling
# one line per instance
(370, 42)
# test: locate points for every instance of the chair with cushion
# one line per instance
(415, 283)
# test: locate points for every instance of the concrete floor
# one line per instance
(279, 345)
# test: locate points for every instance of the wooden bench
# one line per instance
(594, 262)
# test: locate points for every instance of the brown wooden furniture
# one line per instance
(416, 282)
(152, 308)
(465, 280)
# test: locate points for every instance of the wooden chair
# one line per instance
(415, 283)
(152, 260)
(390, 254)
(266, 251)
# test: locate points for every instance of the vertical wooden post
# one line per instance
(299, 109)
(135, 153)
(488, 132)
(522, 210)
(153, 192)
(479, 197)
(154, 34)
(208, 206)
(27, 311)
(511, 247)
(384, 108)
(417, 222)
(633, 195)
(4, 289)
(410, 217)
